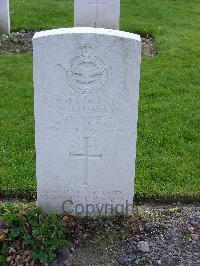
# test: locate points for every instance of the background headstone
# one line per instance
(4, 16)
(86, 108)
(97, 13)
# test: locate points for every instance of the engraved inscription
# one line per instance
(88, 196)
(91, 115)
(87, 73)
(86, 156)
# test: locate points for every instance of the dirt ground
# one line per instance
(21, 42)
(155, 235)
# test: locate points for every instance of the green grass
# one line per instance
(17, 155)
(37, 14)
(168, 149)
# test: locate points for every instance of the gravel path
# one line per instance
(157, 235)
(166, 235)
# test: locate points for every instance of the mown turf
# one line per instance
(168, 151)
(41, 14)
(17, 155)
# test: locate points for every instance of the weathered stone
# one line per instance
(86, 108)
(4, 16)
(143, 246)
(97, 13)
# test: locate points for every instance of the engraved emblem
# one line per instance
(87, 74)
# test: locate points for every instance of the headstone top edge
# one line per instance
(89, 30)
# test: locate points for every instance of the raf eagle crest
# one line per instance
(86, 74)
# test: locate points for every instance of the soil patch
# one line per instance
(21, 42)
(157, 235)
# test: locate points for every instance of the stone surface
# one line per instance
(97, 13)
(86, 84)
(4, 16)
(143, 246)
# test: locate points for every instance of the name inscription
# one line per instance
(90, 114)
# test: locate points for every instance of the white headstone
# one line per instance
(97, 13)
(86, 108)
(4, 16)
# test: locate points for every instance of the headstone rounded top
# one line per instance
(97, 13)
(86, 92)
(87, 30)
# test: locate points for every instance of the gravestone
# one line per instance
(86, 85)
(4, 16)
(97, 13)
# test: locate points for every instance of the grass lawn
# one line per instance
(168, 153)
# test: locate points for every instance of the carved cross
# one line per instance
(97, 3)
(86, 156)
